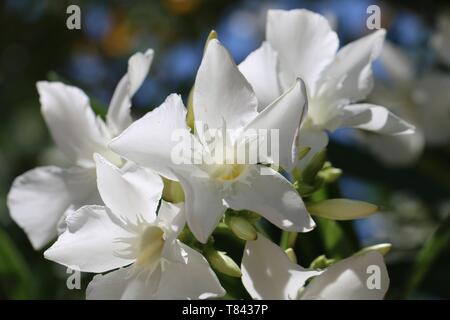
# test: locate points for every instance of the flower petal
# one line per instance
(274, 197)
(150, 140)
(38, 199)
(90, 241)
(267, 272)
(260, 68)
(314, 139)
(396, 150)
(351, 279)
(130, 192)
(305, 44)
(118, 117)
(203, 205)
(375, 118)
(74, 127)
(221, 93)
(191, 280)
(285, 115)
(349, 78)
(109, 286)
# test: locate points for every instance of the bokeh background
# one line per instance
(36, 45)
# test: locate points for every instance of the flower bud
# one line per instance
(382, 248)
(313, 167)
(321, 262)
(223, 263)
(342, 209)
(242, 228)
(291, 254)
(330, 174)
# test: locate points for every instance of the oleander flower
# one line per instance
(268, 273)
(421, 99)
(129, 235)
(223, 100)
(300, 43)
(40, 198)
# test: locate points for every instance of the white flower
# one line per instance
(300, 43)
(127, 234)
(423, 100)
(223, 98)
(39, 198)
(268, 273)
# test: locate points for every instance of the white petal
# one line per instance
(90, 241)
(38, 199)
(109, 286)
(285, 115)
(203, 205)
(305, 44)
(76, 130)
(221, 93)
(349, 78)
(375, 118)
(315, 139)
(118, 116)
(150, 140)
(191, 280)
(260, 68)
(398, 65)
(396, 150)
(350, 279)
(267, 272)
(130, 192)
(171, 218)
(274, 197)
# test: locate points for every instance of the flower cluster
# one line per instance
(146, 223)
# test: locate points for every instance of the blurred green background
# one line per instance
(35, 45)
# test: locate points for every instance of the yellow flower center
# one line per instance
(151, 245)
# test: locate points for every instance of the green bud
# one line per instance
(223, 263)
(242, 228)
(382, 248)
(172, 192)
(291, 254)
(313, 167)
(330, 174)
(341, 209)
(321, 262)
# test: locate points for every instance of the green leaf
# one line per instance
(15, 276)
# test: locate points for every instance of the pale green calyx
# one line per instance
(223, 263)
(342, 209)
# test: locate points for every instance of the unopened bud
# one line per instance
(291, 254)
(313, 167)
(242, 228)
(342, 209)
(223, 263)
(172, 192)
(330, 174)
(321, 262)
(382, 248)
